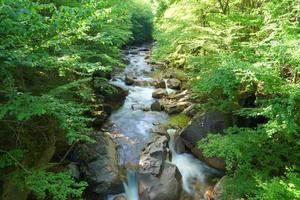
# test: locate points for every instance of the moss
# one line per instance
(180, 120)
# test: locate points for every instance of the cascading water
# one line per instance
(190, 167)
(131, 186)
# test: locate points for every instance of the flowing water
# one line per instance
(131, 127)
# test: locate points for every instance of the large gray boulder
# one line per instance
(153, 156)
(98, 165)
(166, 186)
(199, 127)
(158, 179)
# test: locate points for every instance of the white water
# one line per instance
(190, 167)
(131, 186)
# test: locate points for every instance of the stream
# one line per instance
(131, 127)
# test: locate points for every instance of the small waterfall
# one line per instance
(191, 169)
(131, 186)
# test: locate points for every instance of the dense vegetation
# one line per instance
(242, 57)
(50, 53)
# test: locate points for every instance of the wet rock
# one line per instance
(129, 79)
(153, 156)
(179, 144)
(156, 106)
(146, 109)
(176, 108)
(120, 197)
(166, 186)
(159, 93)
(98, 165)
(160, 129)
(199, 127)
(160, 83)
(174, 84)
(74, 169)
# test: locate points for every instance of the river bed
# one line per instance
(131, 126)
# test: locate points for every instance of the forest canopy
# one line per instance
(50, 53)
(242, 57)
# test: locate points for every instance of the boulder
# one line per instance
(129, 79)
(174, 83)
(153, 156)
(158, 179)
(159, 93)
(115, 98)
(199, 127)
(98, 165)
(166, 186)
(156, 106)
(160, 129)
(176, 108)
(160, 83)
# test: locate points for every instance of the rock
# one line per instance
(160, 129)
(190, 111)
(129, 79)
(158, 179)
(179, 144)
(174, 84)
(159, 93)
(176, 108)
(99, 117)
(98, 165)
(156, 106)
(115, 98)
(120, 197)
(217, 190)
(199, 127)
(180, 95)
(153, 156)
(146, 109)
(74, 169)
(166, 186)
(160, 84)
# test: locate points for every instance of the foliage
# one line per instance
(50, 53)
(60, 185)
(242, 57)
